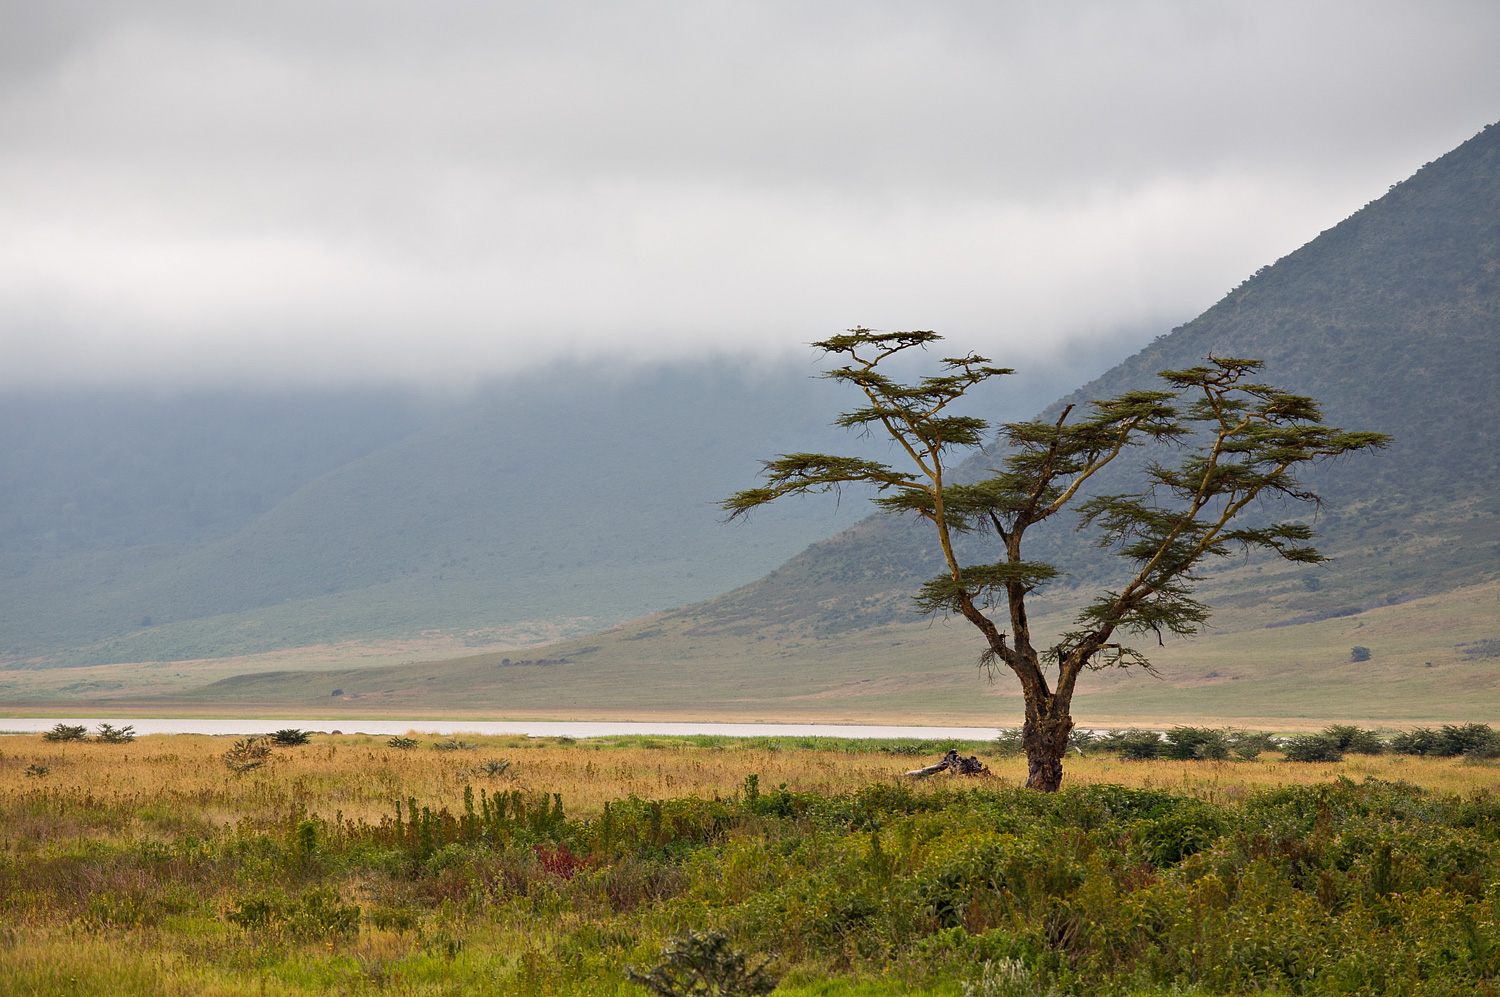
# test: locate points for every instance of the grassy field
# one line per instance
(529, 866)
(1245, 674)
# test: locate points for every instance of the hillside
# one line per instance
(170, 529)
(137, 528)
(1391, 318)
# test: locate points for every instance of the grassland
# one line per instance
(1245, 674)
(512, 865)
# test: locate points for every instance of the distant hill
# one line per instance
(1391, 319)
(562, 501)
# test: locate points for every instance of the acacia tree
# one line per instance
(1235, 441)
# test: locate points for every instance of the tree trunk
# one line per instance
(1045, 739)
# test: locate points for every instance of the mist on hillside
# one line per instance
(139, 526)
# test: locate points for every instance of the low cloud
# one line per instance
(196, 192)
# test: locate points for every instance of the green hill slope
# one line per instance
(566, 497)
(563, 501)
(1391, 319)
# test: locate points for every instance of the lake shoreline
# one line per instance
(240, 726)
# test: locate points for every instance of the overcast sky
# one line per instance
(204, 191)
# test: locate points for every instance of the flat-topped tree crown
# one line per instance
(1236, 441)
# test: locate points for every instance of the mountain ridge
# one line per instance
(1402, 297)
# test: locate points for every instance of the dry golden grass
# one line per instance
(165, 784)
(73, 842)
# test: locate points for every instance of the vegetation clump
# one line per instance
(66, 732)
(1249, 745)
(1355, 740)
(110, 734)
(1133, 744)
(1312, 748)
(247, 754)
(1472, 740)
(290, 737)
(1196, 742)
(704, 964)
(1487, 648)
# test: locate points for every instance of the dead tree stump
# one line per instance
(955, 763)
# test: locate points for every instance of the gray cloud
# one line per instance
(358, 191)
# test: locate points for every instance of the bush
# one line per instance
(1312, 748)
(249, 753)
(291, 736)
(1251, 744)
(1355, 740)
(1138, 745)
(317, 914)
(1008, 742)
(704, 963)
(63, 732)
(1359, 653)
(110, 735)
(1417, 741)
(1470, 740)
(404, 743)
(1196, 742)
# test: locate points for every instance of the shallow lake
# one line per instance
(531, 728)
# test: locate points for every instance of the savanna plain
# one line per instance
(353, 864)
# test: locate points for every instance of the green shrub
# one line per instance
(1358, 653)
(247, 754)
(1418, 741)
(290, 737)
(1355, 740)
(317, 914)
(108, 734)
(1196, 742)
(1008, 742)
(64, 732)
(1470, 740)
(1138, 745)
(397, 919)
(1080, 738)
(404, 743)
(1171, 837)
(1251, 744)
(1312, 748)
(704, 963)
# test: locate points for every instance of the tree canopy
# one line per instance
(1223, 441)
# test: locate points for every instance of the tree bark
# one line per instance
(1045, 740)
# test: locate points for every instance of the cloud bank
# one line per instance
(355, 192)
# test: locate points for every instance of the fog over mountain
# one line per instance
(208, 193)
